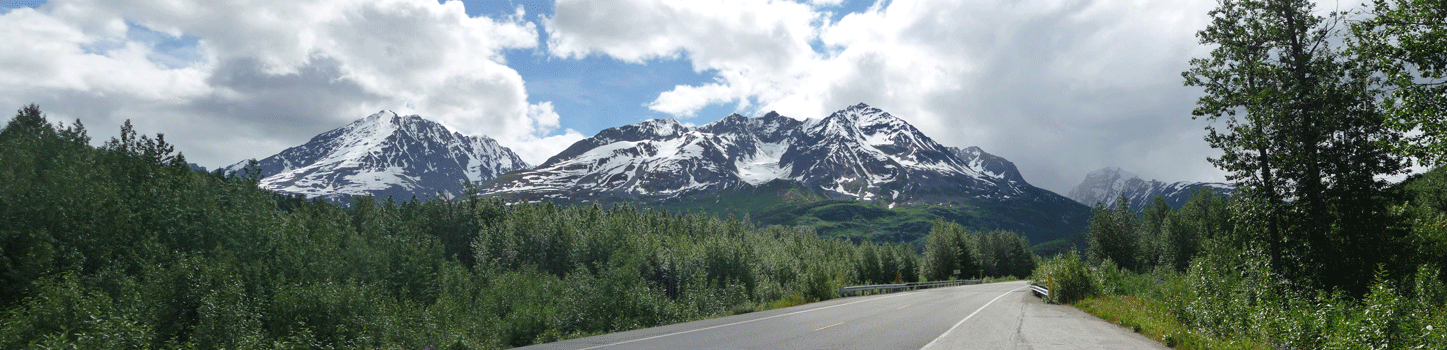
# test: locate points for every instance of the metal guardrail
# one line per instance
(1040, 290)
(845, 291)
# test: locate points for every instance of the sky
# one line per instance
(1059, 87)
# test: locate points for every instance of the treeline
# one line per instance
(1159, 235)
(123, 246)
(951, 252)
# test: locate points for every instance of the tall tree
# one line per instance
(1302, 135)
(1151, 230)
(1406, 41)
(1113, 234)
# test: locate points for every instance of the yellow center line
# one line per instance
(832, 325)
(901, 307)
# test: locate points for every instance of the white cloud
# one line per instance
(270, 74)
(1059, 87)
(752, 45)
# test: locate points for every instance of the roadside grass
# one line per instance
(1153, 319)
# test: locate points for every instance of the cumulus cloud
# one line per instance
(1059, 87)
(250, 78)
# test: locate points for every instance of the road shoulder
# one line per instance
(1021, 321)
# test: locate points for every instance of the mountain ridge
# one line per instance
(1106, 185)
(860, 152)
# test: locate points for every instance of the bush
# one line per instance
(1067, 277)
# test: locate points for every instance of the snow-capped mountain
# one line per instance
(385, 155)
(1106, 185)
(859, 152)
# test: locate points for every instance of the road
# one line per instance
(982, 316)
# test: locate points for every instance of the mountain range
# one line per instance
(1105, 186)
(860, 153)
(385, 155)
(859, 173)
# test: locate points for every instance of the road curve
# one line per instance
(983, 316)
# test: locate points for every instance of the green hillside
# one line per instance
(790, 203)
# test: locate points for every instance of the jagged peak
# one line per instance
(382, 114)
(731, 120)
(661, 126)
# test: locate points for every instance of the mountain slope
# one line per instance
(385, 155)
(1106, 185)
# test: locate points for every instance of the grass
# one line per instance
(789, 301)
(1153, 319)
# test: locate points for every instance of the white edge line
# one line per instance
(967, 318)
(741, 322)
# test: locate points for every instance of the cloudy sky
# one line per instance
(1060, 87)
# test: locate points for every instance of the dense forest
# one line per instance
(124, 246)
(1315, 249)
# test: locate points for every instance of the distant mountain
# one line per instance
(385, 155)
(1106, 185)
(777, 169)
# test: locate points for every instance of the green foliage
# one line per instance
(1405, 41)
(1151, 231)
(1004, 253)
(1204, 216)
(1068, 278)
(66, 314)
(1113, 235)
(1230, 299)
(1304, 139)
(1161, 236)
(790, 204)
(948, 248)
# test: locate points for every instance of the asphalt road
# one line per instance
(983, 316)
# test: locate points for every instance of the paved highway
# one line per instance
(982, 316)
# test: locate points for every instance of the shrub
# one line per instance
(1066, 276)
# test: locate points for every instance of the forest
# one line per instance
(124, 246)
